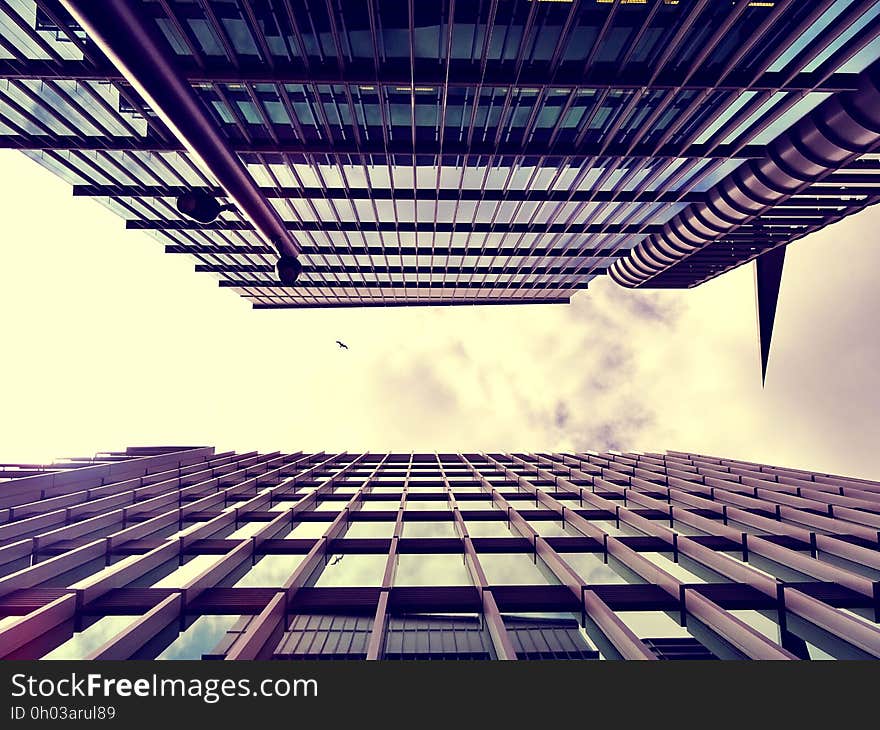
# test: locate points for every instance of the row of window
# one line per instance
(630, 36)
(416, 636)
(486, 116)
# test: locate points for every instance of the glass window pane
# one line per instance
(306, 530)
(248, 529)
(85, 642)
(488, 528)
(431, 570)
(515, 569)
(652, 624)
(351, 570)
(419, 506)
(270, 571)
(592, 569)
(186, 572)
(357, 530)
(199, 638)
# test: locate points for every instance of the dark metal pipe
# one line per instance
(134, 47)
(839, 129)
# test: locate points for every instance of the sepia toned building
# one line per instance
(396, 153)
(187, 553)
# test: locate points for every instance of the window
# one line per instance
(201, 636)
(431, 570)
(515, 569)
(351, 570)
(305, 530)
(372, 505)
(282, 505)
(470, 505)
(248, 529)
(87, 641)
(760, 621)
(488, 528)
(592, 568)
(425, 506)
(547, 528)
(429, 529)
(677, 570)
(330, 505)
(270, 571)
(358, 530)
(653, 624)
(189, 570)
(610, 527)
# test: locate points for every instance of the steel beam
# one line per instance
(390, 227)
(403, 149)
(458, 78)
(444, 194)
(390, 251)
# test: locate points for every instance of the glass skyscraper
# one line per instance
(399, 153)
(186, 553)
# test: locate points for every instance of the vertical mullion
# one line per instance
(498, 634)
(380, 620)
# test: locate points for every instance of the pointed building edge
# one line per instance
(768, 278)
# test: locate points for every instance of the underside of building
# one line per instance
(451, 153)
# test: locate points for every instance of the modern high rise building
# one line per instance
(181, 552)
(453, 152)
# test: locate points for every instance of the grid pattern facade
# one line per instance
(182, 552)
(444, 153)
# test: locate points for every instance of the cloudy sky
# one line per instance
(109, 342)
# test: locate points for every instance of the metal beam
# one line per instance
(391, 227)
(384, 269)
(382, 251)
(403, 148)
(370, 286)
(458, 78)
(811, 198)
(744, 232)
(445, 194)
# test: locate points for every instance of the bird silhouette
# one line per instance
(342, 345)
(336, 560)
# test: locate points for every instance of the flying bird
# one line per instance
(336, 560)
(342, 345)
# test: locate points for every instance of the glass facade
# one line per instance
(511, 556)
(443, 153)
